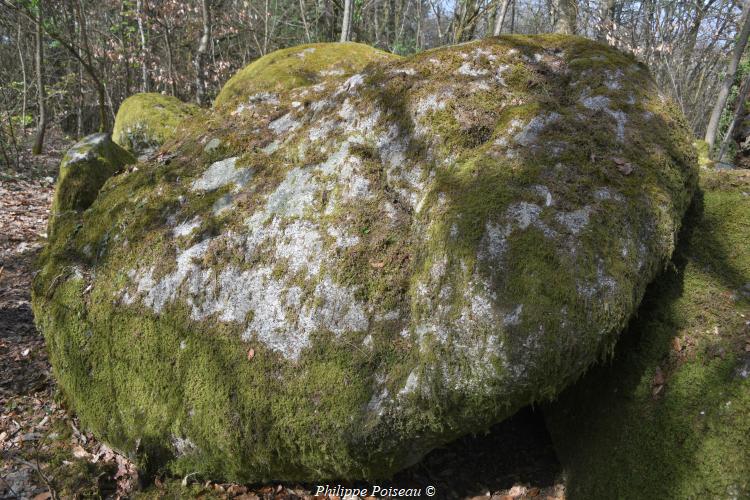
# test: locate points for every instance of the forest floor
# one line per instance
(46, 454)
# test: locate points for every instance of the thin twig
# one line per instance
(10, 487)
(52, 490)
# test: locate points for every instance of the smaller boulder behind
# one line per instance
(84, 170)
(300, 66)
(146, 121)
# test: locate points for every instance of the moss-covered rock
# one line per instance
(670, 416)
(84, 170)
(299, 66)
(146, 121)
(359, 269)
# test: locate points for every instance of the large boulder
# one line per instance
(146, 121)
(669, 417)
(369, 266)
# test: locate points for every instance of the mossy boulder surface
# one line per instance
(146, 121)
(367, 266)
(670, 415)
(84, 170)
(300, 66)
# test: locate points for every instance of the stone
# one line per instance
(296, 67)
(146, 121)
(84, 170)
(394, 240)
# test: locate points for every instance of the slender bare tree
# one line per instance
(567, 13)
(734, 61)
(734, 131)
(23, 76)
(142, 36)
(200, 55)
(346, 23)
(500, 13)
(41, 89)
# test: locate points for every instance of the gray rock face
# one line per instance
(370, 266)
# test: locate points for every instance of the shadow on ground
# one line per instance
(516, 451)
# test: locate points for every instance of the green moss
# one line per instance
(298, 66)
(146, 121)
(84, 170)
(704, 159)
(616, 436)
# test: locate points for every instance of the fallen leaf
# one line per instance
(236, 489)
(658, 377)
(377, 265)
(677, 344)
(3, 435)
(657, 384)
(43, 496)
(79, 452)
(533, 492)
(250, 354)
(517, 490)
(625, 169)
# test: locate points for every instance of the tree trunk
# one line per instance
(500, 17)
(735, 130)
(142, 35)
(726, 84)
(41, 91)
(79, 103)
(74, 34)
(170, 63)
(567, 12)
(200, 56)
(100, 92)
(606, 26)
(304, 20)
(23, 73)
(346, 23)
(391, 24)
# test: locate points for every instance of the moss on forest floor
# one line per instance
(670, 416)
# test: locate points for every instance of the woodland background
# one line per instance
(66, 65)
